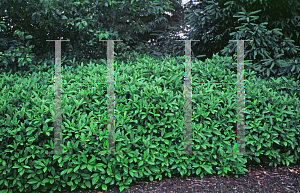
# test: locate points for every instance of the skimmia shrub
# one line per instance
(149, 124)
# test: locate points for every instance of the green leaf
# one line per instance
(122, 188)
(256, 159)
(198, 171)
(118, 177)
(151, 178)
(76, 3)
(74, 186)
(169, 114)
(88, 184)
(277, 141)
(32, 181)
(107, 180)
(90, 168)
(69, 170)
(258, 147)
(217, 132)
(207, 168)
(109, 172)
(63, 172)
(76, 168)
(83, 167)
(28, 37)
(168, 135)
(95, 180)
(284, 78)
(26, 167)
(70, 183)
(140, 163)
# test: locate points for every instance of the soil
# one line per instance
(260, 178)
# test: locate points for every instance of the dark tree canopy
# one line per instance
(136, 22)
(275, 32)
(84, 23)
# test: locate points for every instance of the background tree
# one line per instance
(269, 48)
(158, 31)
(83, 22)
(87, 21)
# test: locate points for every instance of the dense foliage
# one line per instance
(84, 23)
(272, 25)
(149, 93)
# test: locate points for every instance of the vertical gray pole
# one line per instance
(188, 129)
(110, 99)
(240, 99)
(188, 133)
(57, 101)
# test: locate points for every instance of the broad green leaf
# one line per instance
(88, 183)
(151, 178)
(90, 168)
(118, 177)
(122, 188)
(28, 37)
(207, 168)
(107, 180)
(256, 159)
(168, 135)
(32, 181)
(95, 180)
(76, 168)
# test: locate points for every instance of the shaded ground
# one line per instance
(260, 178)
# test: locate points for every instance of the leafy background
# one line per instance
(137, 22)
